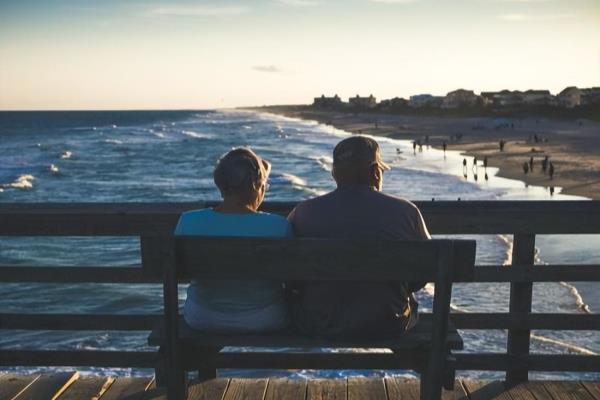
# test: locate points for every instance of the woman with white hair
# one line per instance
(240, 306)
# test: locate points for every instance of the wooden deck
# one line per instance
(72, 385)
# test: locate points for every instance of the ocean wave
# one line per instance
(23, 182)
(197, 135)
(286, 178)
(325, 162)
(572, 348)
(113, 141)
(581, 304)
(66, 155)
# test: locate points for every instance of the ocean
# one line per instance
(158, 156)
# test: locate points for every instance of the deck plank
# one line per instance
(520, 391)
(567, 390)
(327, 389)
(48, 386)
(458, 393)
(403, 389)
(486, 390)
(593, 387)
(288, 389)
(366, 389)
(537, 389)
(126, 388)
(213, 389)
(86, 387)
(154, 393)
(12, 384)
(246, 389)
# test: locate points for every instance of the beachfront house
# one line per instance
(538, 97)
(590, 96)
(363, 102)
(460, 98)
(425, 100)
(397, 103)
(504, 98)
(570, 97)
(327, 102)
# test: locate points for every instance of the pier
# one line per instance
(521, 219)
(73, 386)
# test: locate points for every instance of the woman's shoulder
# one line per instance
(274, 218)
(200, 213)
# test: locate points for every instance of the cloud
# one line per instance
(267, 68)
(530, 17)
(198, 11)
(393, 1)
(297, 3)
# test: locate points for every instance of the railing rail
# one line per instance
(522, 219)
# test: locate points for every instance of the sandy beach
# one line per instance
(573, 146)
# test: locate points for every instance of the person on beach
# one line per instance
(465, 167)
(444, 145)
(531, 164)
(525, 167)
(236, 306)
(551, 170)
(485, 162)
(545, 164)
(356, 209)
(501, 144)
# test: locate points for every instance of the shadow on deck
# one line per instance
(71, 386)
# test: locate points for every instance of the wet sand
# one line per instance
(573, 146)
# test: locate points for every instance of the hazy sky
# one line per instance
(112, 54)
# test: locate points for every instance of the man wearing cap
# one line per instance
(356, 209)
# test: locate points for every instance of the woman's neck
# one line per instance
(234, 206)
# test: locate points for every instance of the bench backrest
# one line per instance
(308, 259)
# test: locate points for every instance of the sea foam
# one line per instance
(22, 182)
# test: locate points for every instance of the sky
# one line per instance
(177, 54)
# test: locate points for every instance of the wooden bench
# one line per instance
(425, 349)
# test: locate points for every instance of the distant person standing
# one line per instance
(465, 167)
(444, 145)
(551, 190)
(531, 164)
(485, 162)
(414, 143)
(525, 167)
(545, 164)
(551, 170)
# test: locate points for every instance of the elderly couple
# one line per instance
(356, 209)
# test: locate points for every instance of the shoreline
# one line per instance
(572, 146)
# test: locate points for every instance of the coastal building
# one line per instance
(425, 100)
(363, 102)
(590, 96)
(503, 98)
(538, 97)
(327, 102)
(460, 98)
(570, 97)
(393, 104)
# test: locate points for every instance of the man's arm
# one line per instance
(421, 233)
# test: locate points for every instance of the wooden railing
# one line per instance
(522, 219)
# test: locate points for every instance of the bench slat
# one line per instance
(420, 335)
(305, 259)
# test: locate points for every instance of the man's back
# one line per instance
(371, 309)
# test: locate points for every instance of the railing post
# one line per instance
(523, 253)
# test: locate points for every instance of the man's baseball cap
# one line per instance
(358, 150)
